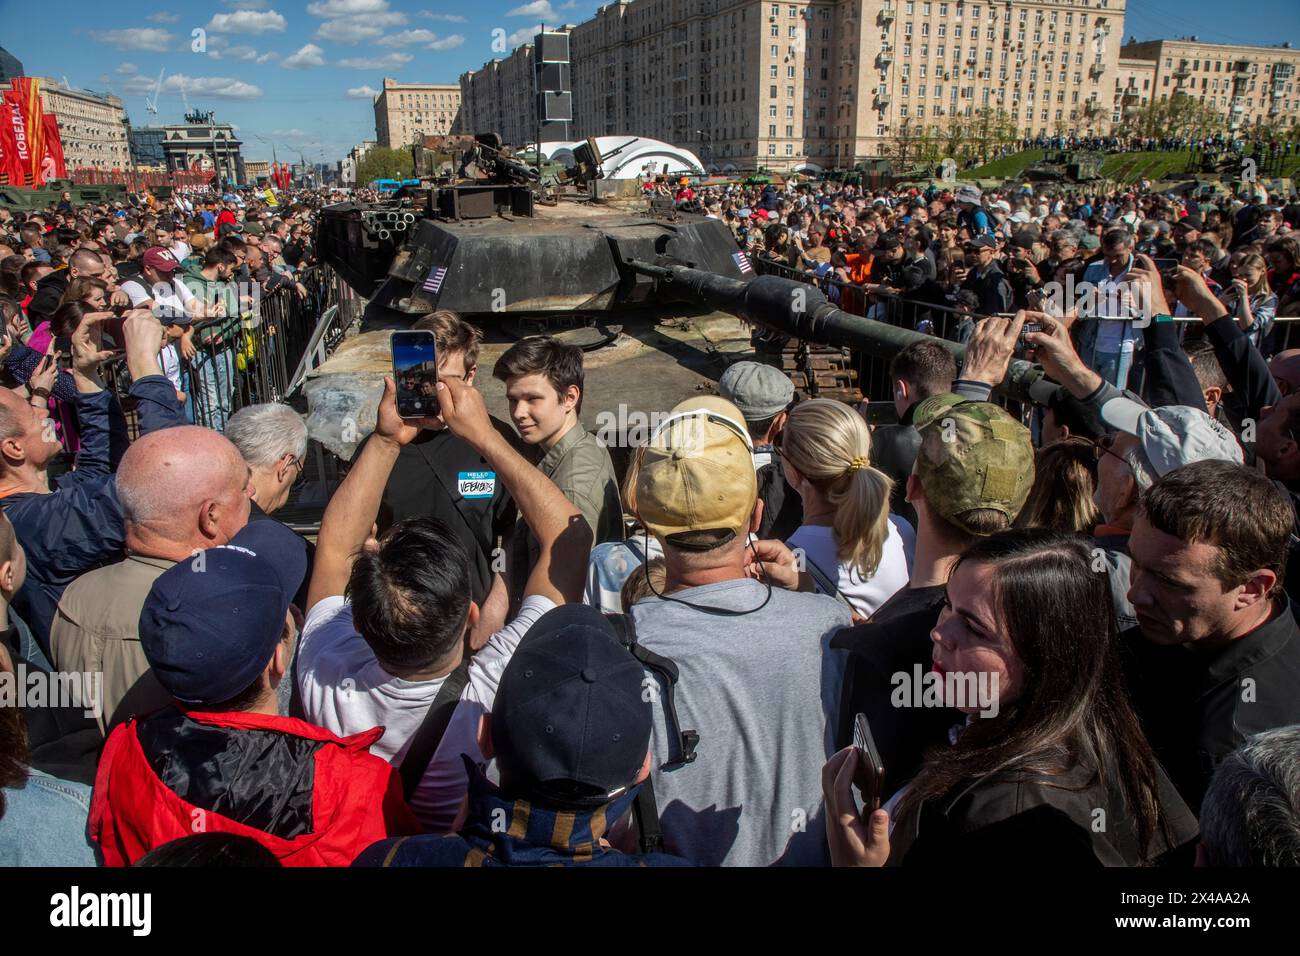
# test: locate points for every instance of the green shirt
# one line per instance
(581, 468)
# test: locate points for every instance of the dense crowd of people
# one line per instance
(785, 635)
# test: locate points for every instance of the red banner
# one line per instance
(18, 158)
(53, 165)
(28, 92)
(10, 170)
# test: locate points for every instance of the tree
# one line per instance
(1180, 115)
(381, 163)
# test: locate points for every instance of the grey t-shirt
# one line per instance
(762, 691)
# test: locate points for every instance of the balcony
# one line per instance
(886, 17)
(885, 57)
(882, 100)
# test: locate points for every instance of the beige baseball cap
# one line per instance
(696, 485)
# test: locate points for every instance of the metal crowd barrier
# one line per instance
(249, 360)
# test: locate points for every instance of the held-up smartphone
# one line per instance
(1168, 268)
(63, 345)
(881, 413)
(871, 771)
(415, 373)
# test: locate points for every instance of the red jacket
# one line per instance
(311, 798)
(222, 217)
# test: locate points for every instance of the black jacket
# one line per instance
(1197, 708)
(1066, 820)
(45, 300)
(992, 288)
(782, 505)
(893, 450)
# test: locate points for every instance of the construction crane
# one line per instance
(152, 104)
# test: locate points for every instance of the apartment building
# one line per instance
(793, 85)
(92, 127)
(1135, 86)
(1249, 85)
(500, 98)
(404, 112)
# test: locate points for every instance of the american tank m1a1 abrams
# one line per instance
(515, 249)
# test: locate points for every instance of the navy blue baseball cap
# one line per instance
(570, 711)
(210, 623)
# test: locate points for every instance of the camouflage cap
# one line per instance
(973, 456)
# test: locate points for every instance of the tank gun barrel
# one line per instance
(803, 311)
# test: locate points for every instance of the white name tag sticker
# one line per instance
(476, 484)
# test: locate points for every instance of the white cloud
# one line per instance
(569, 5)
(162, 17)
(245, 4)
(538, 9)
(363, 93)
(127, 69)
(247, 21)
(350, 32)
(407, 38)
(267, 57)
(346, 8)
(447, 43)
(136, 38)
(309, 55)
(521, 36)
(222, 87)
(242, 53)
(444, 17)
(389, 61)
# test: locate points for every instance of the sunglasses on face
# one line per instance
(1106, 446)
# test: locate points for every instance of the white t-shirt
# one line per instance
(863, 594)
(345, 690)
(170, 299)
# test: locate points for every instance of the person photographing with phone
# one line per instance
(69, 528)
(1026, 625)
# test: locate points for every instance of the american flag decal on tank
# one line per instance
(742, 262)
(434, 282)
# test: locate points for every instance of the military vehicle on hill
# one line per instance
(1068, 166)
(25, 199)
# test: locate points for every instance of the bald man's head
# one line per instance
(85, 262)
(1285, 367)
(182, 489)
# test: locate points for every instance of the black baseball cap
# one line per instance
(570, 726)
(982, 242)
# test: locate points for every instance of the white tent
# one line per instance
(639, 157)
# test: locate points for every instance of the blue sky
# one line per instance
(300, 74)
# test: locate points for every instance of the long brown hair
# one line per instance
(1074, 709)
(1065, 476)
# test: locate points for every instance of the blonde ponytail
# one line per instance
(861, 522)
(830, 445)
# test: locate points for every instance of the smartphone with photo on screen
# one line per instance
(415, 373)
